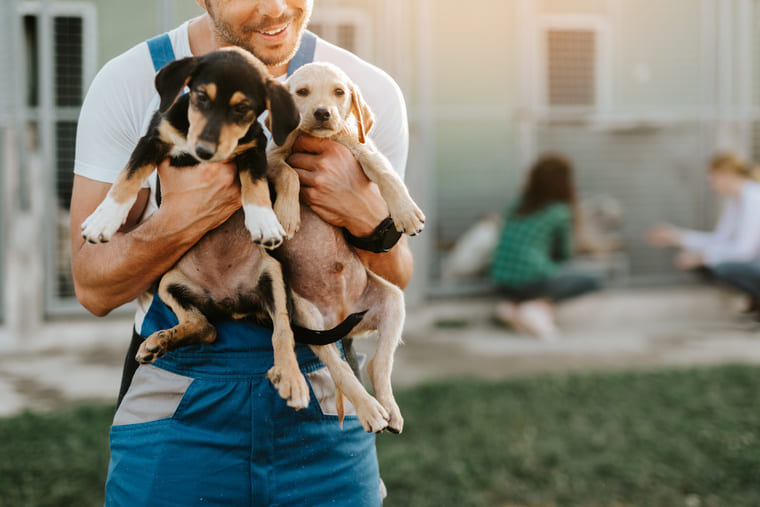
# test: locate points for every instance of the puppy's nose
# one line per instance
(204, 151)
(322, 114)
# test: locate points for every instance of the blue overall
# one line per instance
(203, 426)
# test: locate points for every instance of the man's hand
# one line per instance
(335, 187)
(208, 193)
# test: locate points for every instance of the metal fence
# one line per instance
(59, 40)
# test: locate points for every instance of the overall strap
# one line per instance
(305, 53)
(161, 50)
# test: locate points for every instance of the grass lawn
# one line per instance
(666, 438)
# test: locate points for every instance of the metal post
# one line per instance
(421, 176)
(166, 15)
(19, 108)
(528, 102)
(745, 20)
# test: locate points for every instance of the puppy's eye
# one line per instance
(340, 92)
(201, 97)
(241, 109)
(302, 92)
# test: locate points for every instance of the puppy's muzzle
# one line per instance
(322, 114)
(205, 150)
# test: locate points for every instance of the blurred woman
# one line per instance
(536, 239)
(731, 252)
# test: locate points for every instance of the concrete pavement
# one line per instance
(445, 338)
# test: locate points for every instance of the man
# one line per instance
(204, 426)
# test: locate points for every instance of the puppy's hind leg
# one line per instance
(285, 374)
(371, 414)
(387, 313)
(178, 292)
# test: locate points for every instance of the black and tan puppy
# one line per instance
(225, 274)
(215, 122)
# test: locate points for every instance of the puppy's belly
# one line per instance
(320, 267)
(226, 264)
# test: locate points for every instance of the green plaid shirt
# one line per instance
(531, 247)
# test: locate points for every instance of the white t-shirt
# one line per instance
(122, 99)
(736, 237)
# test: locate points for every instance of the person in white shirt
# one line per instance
(203, 425)
(731, 252)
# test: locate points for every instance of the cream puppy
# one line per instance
(332, 106)
(335, 283)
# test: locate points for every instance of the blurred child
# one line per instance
(536, 238)
(731, 252)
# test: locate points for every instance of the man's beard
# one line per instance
(242, 36)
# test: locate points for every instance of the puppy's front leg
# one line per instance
(111, 214)
(260, 219)
(407, 216)
(287, 187)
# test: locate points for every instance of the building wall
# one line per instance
(674, 84)
(474, 96)
(657, 55)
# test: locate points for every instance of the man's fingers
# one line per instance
(309, 144)
(307, 177)
(302, 161)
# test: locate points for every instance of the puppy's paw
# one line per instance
(263, 225)
(154, 347)
(289, 217)
(409, 219)
(291, 385)
(395, 420)
(372, 416)
(103, 223)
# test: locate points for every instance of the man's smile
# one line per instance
(274, 31)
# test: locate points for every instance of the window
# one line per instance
(59, 65)
(574, 75)
(571, 73)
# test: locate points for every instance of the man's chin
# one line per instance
(274, 60)
(280, 55)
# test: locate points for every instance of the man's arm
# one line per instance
(194, 201)
(335, 187)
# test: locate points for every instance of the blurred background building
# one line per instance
(638, 93)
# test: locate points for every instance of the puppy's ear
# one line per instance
(283, 115)
(171, 79)
(365, 118)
